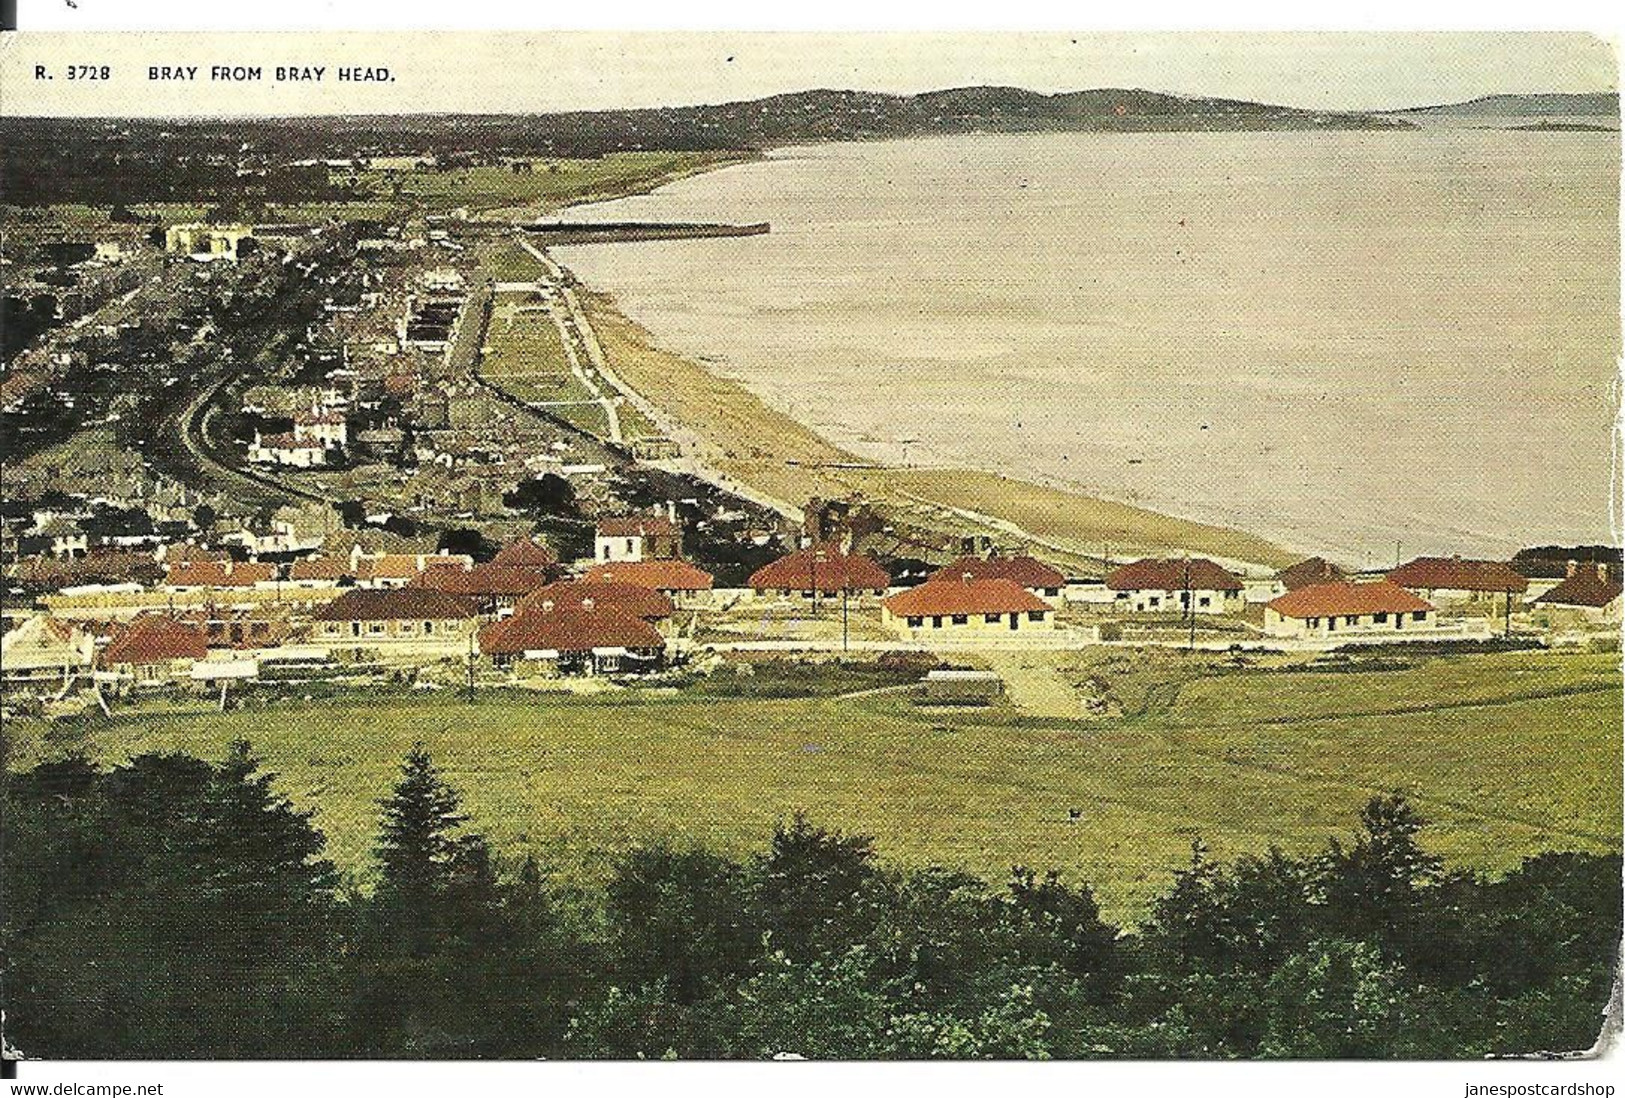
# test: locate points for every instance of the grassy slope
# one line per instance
(1520, 755)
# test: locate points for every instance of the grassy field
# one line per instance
(550, 184)
(525, 356)
(1508, 754)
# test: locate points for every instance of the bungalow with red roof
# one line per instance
(966, 609)
(493, 587)
(1349, 612)
(641, 602)
(408, 620)
(586, 639)
(1591, 591)
(1024, 571)
(154, 648)
(1454, 580)
(678, 580)
(820, 571)
(327, 429)
(319, 572)
(1192, 585)
(637, 537)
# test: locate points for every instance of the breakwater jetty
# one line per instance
(611, 232)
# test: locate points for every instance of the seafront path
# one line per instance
(690, 444)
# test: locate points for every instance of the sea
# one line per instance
(1365, 344)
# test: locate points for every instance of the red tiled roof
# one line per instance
(1023, 571)
(407, 565)
(1328, 600)
(657, 575)
(1197, 574)
(569, 629)
(1585, 588)
(951, 596)
(156, 638)
(207, 573)
(395, 604)
(483, 580)
(525, 553)
(635, 526)
(1456, 574)
(319, 568)
(639, 601)
(287, 441)
(1311, 571)
(832, 570)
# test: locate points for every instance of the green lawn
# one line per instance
(526, 357)
(551, 184)
(1508, 754)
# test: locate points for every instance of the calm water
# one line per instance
(1342, 341)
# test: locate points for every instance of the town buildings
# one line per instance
(396, 623)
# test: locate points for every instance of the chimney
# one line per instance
(1602, 571)
(586, 604)
(965, 577)
(547, 604)
(671, 511)
(1574, 566)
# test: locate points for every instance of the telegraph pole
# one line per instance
(1190, 603)
(471, 668)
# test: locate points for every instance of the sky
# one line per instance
(511, 71)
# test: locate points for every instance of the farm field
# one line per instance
(1508, 754)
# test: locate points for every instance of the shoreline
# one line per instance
(777, 460)
(743, 441)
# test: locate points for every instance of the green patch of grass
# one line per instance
(550, 184)
(525, 357)
(1503, 762)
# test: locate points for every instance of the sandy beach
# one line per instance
(741, 437)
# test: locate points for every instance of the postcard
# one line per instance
(811, 546)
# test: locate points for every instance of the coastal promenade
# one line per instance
(690, 444)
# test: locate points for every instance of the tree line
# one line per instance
(172, 907)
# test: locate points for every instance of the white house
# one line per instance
(1591, 591)
(1348, 612)
(627, 538)
(287, 449)
(1174, 587)
(966, 609)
